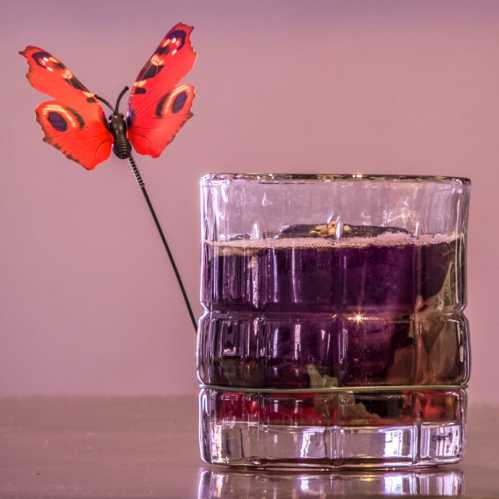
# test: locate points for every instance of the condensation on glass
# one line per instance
(333, 333)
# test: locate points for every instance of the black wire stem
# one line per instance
(142, 186)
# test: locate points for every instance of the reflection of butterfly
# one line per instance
(76, 124)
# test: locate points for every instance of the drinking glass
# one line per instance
(333, 332)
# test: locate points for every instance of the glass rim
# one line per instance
(268, 177)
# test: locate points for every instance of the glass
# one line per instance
(333, 333)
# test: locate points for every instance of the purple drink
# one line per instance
(373, 308)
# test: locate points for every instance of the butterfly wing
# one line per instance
(74, 122)
(76, 131)
(157, 107)
(153, 129)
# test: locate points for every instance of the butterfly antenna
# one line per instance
(142, 186)
(105, 102)
(118, 100)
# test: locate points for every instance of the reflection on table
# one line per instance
(224, 483)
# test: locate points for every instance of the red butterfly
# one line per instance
(76, 124)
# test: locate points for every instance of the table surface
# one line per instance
(130, 447)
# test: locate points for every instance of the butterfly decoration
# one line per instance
(75, 122)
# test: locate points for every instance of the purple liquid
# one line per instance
(311, 312)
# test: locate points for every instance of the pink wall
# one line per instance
(89, 304)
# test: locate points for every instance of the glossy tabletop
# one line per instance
(125, 447)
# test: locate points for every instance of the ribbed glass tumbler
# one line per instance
(333, 333)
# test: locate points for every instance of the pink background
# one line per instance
(88, 301)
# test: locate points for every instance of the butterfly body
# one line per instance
(75, 122)
(117, 125)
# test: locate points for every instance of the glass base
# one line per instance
(248, 431)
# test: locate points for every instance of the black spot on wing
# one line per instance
(38, 56)
(76, 83)
(57, 121)
(41, 54)
(161, 104)
(91, 99)
(78, 117)
(179, 101)
(139, 90)
(162, 50)
(149, 71)
(179, 34)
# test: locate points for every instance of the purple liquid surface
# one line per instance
(302, 312)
